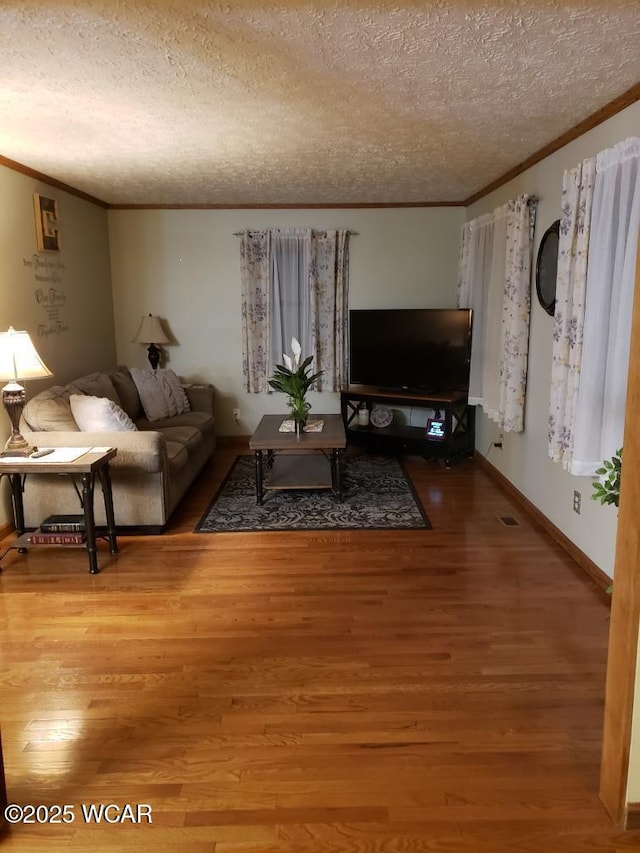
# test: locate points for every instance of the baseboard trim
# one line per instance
(632, 819)
(7, 528)
(602, 580)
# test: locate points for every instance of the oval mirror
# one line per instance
(547, 268)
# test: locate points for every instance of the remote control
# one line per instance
(39, 453)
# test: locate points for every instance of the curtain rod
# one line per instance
(321, 230)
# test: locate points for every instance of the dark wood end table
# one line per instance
(95, 462)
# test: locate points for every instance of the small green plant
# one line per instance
(607, 488)
(292, 378)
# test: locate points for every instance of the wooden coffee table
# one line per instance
(313, 460)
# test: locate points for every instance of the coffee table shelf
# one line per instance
(299, 471)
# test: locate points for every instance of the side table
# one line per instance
(89, 464)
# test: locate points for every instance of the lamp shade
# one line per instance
(18, 357)
(151, 332)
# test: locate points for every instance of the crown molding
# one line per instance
(47, 179)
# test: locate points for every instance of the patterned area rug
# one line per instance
(377, 495)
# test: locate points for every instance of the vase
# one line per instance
(299, 426)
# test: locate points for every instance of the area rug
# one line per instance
(377, 495)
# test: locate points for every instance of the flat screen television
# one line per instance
(425, 350)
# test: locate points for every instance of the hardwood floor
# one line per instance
(365, 691)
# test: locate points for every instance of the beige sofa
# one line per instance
(155, 464)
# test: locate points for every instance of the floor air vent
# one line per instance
(509, 521)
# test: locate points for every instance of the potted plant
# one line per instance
(293, 379)
(607, 489)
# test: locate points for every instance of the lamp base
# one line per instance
(154, 353)
(13, 399)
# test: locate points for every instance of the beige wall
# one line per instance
(184, 265)
(63, 299)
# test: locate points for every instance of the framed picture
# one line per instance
(47, 231)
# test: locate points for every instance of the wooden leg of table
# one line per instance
(89, 521)
(16, 497)
(259, 492)
(105, 482)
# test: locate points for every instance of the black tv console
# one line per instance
(453, 407)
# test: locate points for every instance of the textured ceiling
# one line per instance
(243, 103)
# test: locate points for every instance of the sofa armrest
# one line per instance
(201, 397)
(138, 450)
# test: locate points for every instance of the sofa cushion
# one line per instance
(160, 392)
(201, 420)
(127, 391)
(50, 411)
(188, 436)
(177, 455)
(95, 385)
(99, 414)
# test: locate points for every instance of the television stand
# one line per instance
(451, 406)
(413, 392)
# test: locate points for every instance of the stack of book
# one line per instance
(60, 530)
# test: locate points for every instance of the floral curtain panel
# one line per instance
(516, 312)
(255, 269)
(329, 278)
(494, 281)
(571, 286)
(319, 278)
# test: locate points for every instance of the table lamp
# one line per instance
(152, 333)
(18, 360)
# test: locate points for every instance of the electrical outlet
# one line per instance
(236, 415)
(577, 501)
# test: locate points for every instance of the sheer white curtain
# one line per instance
(571, 286)
(494, 281)
(615, 221)
(475, 271)
(295, 283)
(290, 287)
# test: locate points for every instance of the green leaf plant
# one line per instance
(293, 379)
(607, 488)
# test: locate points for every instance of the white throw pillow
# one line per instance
(161, 394)
(99, 414)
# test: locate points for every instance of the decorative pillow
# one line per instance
(50, 410)
(99, 414)
(161, 394)
(176, 391)
(95, 385)
(128, 396)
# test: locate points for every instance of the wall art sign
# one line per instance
(47, 230)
